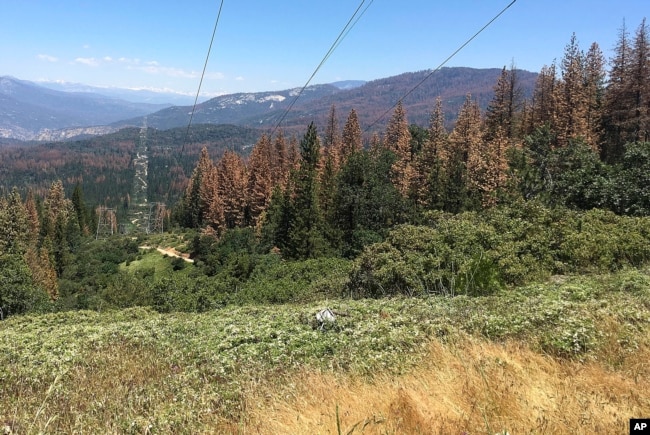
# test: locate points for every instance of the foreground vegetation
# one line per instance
(558, 357)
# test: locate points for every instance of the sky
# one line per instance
(266, 45)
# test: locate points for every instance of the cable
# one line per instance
(196, 99)
(348, 31)
(441, 65)
(198, 91)
(336, 43)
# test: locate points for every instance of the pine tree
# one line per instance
(212, 209)
(231, 176)
(80, 209)
(502, 111)
(617, 99)
(571, 121)
(398, 140)
(279, 165)
(194, 202)
(43, 272)
(32, 218)
(425, 181)
(305, 238)
(14, 225)
(639, 119)
(544, 107)
(332, 141)
(352, 136)
(487, 166)
(465, 138)
(260, 181)
(594, 85)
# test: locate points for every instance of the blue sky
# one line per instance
(272, 45)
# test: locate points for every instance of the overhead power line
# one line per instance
(350, 24)
(442, 64)
(198, 91)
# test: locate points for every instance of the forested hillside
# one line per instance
(503, 257)
(103, 165)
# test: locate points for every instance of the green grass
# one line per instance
(150, 262)
(181, 372)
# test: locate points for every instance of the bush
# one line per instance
(18, 294)
(476, 254)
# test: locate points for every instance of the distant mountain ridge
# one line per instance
(28, 110)
(164, 97)
(370, 100)
(32, 112)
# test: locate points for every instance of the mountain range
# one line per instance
(29, 111)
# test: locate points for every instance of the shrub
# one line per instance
(476, 254)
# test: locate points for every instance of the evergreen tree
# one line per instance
(594, 85)
(332, 141)
(80, 209)
(231, 176)
(14, 225)
(398, 140)
(260, 181)
(32, 218)
(305, 238)
(212, 210)
(571, 121)
(280, 165)
(194, 202)
(425, 182)
(352, 136)
(544, 107)
(366, 201)
(465, 138)
(502, 111)
(639, 119)
(617, 99)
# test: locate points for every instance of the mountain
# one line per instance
(163, 97)
(371, 100)
(32, 112)
(250, 109)
(28, 110)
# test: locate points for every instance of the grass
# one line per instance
(567, 356)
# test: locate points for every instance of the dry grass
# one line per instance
(472, 386)
(465, 386)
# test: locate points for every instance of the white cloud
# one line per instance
(108, 59)
(89, 61)
(240, 79)
(47, 58)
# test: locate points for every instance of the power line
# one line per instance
(442, 64)
(336, 43)
(198, 91)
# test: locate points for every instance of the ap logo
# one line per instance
(639, 426)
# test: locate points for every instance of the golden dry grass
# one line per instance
(472, 386)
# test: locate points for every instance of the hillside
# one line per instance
(104, 163)
(370, 100)
(29, 111)
(32, 112)
(419, 365)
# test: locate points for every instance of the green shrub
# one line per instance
(476, 254)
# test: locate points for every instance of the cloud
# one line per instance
(89, 61)
(240, 79)
(155, 68)
(47, 58)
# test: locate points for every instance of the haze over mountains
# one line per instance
(30, 111)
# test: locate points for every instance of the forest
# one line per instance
(573, 158)
(422, 231)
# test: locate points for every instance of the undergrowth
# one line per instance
(140, 371)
